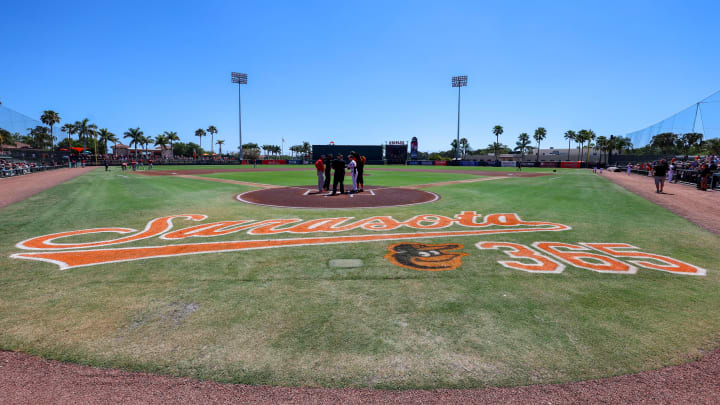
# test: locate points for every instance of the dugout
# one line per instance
(373, 153)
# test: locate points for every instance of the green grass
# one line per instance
(285, 317)
(372, 177)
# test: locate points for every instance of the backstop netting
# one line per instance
(14, 122)
(702, 117)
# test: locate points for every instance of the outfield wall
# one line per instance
(373, 153)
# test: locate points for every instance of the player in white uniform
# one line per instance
(352, 166)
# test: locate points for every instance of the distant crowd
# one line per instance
(10, 167)
(702, 171)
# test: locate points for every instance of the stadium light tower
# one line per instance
(240, 79)
(458, 81)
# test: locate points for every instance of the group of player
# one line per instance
(326, 165)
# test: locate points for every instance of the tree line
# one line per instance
(43, 137)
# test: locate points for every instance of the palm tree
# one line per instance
(220, 143)
(454, 145)
(82, 131)
(135, 135)
(539, 136)
(570, 136)
(306, 148)
(212, 131)
(522, 144)
(50, 118)
(590, 137)
(465, 145)
(581, 137)
(145, 142)
(602, 144)
(114, 139)
(93, 133)
(70, 129)
(200, 133)
(497, 130)
(161, 141)
(171, 136)
(105, 136)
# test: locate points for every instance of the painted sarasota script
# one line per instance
(77, 254)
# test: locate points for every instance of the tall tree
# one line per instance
(712, 146)
(570, 136)
(135, 135)
(38, 136)
(83, 131)
(171, 137)
(71, 130)
(465, 145)
(146, 140)
(114, 139)
(161, 141)
(497, 130)
(212, 131)
(581, 137)
(105, 135)
(689, 140)
(455, 146)
(602, 144)
(200, 133)
(522, 144)
(590, 137)
(540, 134)
(93, 133)
(220, 143)
(50, 118)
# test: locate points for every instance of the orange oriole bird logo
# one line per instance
(426, 257)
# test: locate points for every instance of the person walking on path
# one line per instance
(629, 169)
(660, 171)
(320, 167)
(338, 166)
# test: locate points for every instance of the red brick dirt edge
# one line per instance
(26, 379)
(699, 207)
(18, 188)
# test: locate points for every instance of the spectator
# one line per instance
(660, 171)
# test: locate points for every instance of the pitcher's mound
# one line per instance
(308, 197)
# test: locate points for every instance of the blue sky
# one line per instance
(360, 72)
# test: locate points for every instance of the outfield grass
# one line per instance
(286, 317)
(372, 177)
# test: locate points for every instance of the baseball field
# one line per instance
(433, 278)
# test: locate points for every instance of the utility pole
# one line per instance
(240, 79)
(458, 81)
